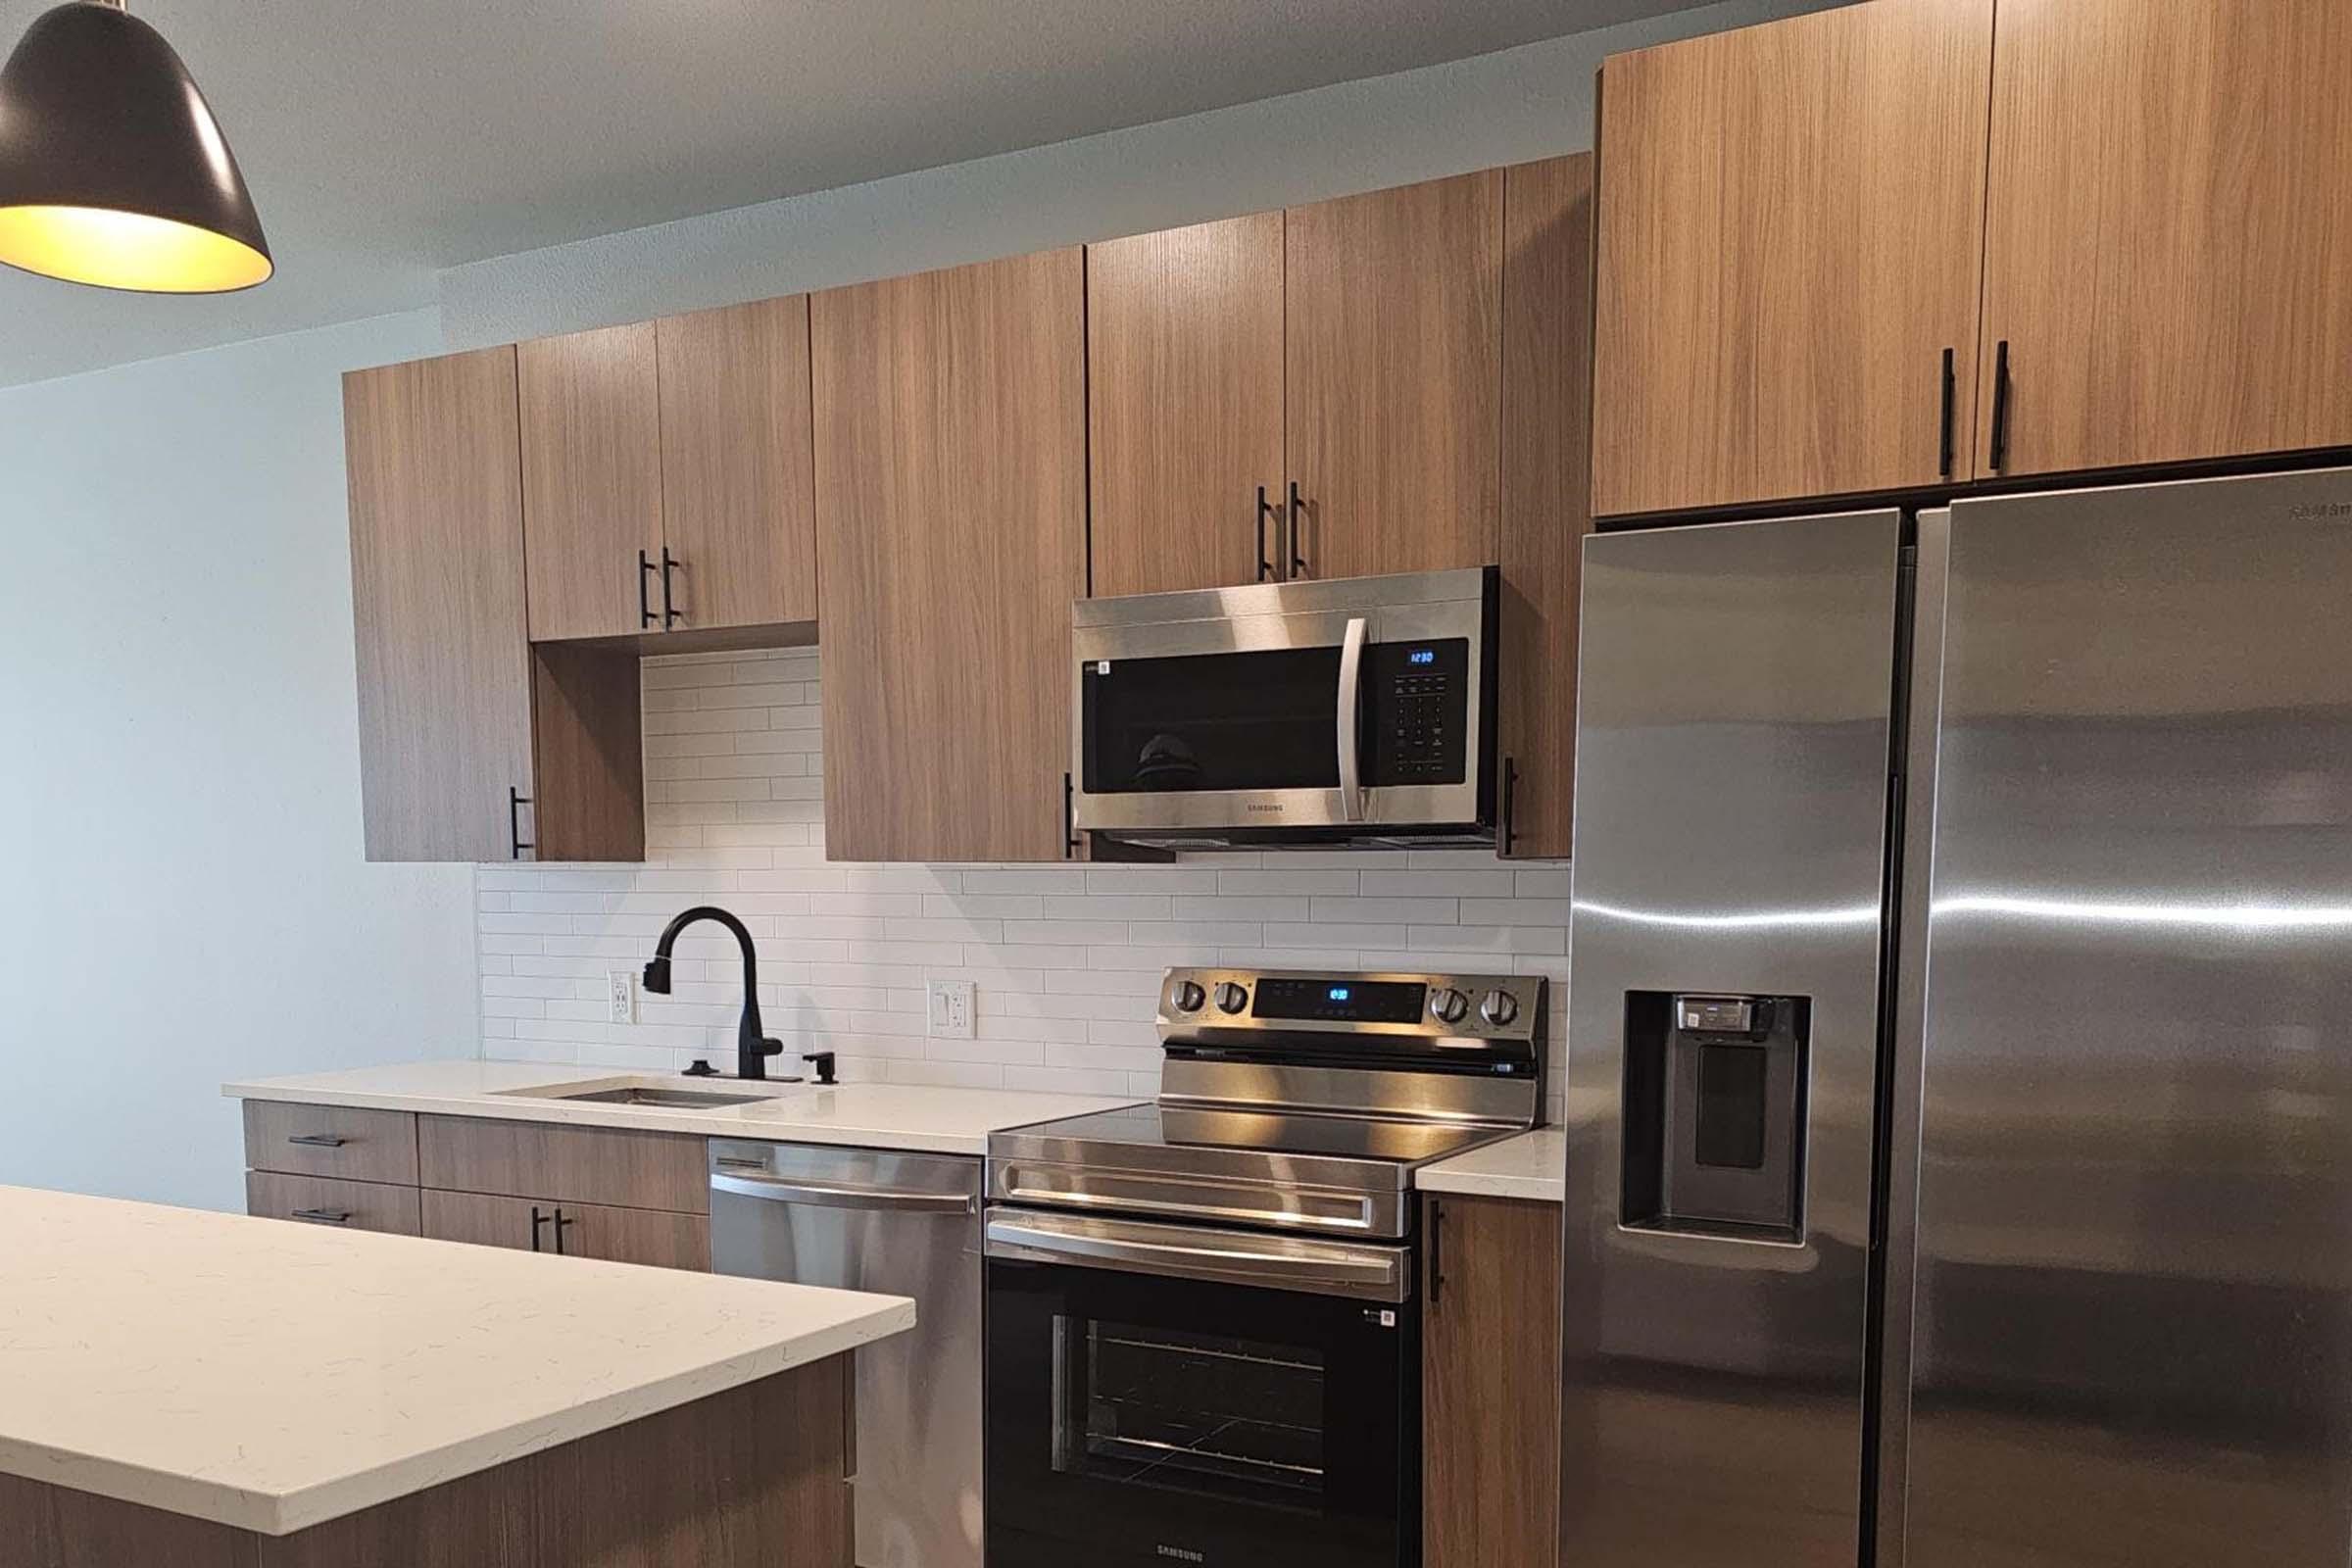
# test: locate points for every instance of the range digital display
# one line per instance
(1337, 1002)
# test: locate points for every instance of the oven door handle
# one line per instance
(1318, 1268)
(1352, 683)
(836, 1194)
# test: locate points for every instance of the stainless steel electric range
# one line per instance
(1204, 1318)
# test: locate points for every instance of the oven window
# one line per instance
(1258, 721)
(1214, 1414)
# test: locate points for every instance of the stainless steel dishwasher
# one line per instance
(908, 1225)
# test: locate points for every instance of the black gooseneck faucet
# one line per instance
(753, 1047)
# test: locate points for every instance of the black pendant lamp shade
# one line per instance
(113, 170)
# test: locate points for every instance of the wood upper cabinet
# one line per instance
(592, 482)
(738, 498)
(950, 505)
(1547, 491)
(1791, 234)
(2169, 238)
(1392, 356)
(1490, 1434)
(437, 595)
(1184, 405)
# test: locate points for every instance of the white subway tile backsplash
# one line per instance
(1066, 959)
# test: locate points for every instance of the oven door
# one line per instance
(1163, 1394)
(1327, 708)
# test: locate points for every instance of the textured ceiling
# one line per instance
(385, 139)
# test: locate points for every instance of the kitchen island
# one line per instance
(186, 1387)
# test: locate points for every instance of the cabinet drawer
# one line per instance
(618, 1167)
(367, 1146)
(322, 1200)
(651, 1237)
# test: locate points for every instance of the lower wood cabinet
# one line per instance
(320, 1201)
(1489, 1383)
(570, 1229)
(618, 1194)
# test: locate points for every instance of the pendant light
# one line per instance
(113, 170)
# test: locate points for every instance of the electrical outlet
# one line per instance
(622, 986)
(951, 1009)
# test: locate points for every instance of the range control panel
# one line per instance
(1420, 696)
(1200, 1005)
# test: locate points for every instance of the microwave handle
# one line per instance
(1352, 680)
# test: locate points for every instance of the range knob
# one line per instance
(1188, 996)
(1447, 1006)
(1231, 998)
(1498, 1008)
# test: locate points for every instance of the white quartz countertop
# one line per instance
(899, 1116)
(271, 1376)
(1533, 1165)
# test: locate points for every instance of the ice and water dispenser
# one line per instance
(1715, 1115)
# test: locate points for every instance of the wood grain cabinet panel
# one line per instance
(1393, 377)
(951, 492)
(621, 1166)
(1184, 405)
(347, 1205)
(653, 1237)
(1546, 489)
(1491, 1383)
(432, 461)
(591, 480)
(2169, 237)
(1790, 238)
(738, 503)
(344, 1142)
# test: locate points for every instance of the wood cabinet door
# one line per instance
(1490, 1436)
(1791, 227)
(591, 480)
(738, 504)
(434, 468)
(1393, 377)
(1547, 487)
(1184, 406)
(568, 1229)
(950, 512)
(2169, 232)
(624, 1166)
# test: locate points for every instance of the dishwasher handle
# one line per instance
(835, 1194)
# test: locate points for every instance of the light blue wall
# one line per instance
(183, 898)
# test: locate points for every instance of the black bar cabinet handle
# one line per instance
(644, 602)
(516, 802)
(1951, 395)
(1069, 818)
(2000, 406)
(323, 1217)
(538, 1220)
(1265, 567)
(1298, 555)
(670, 615)
(562, 1220)
(318, 1140)
(1510, 804)
(1437, 1249)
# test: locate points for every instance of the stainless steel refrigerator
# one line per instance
(1960, 1048)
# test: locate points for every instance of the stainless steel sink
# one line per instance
(677, 1099)
(636, 1091)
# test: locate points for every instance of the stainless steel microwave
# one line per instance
(1292, 713)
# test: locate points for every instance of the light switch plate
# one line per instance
(623, 987)
(950, 1002)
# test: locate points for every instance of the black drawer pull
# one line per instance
(670, 615)
(322, 1216)
(516, 802)
(2000, 406)
(645, 602)
(318, 1140)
